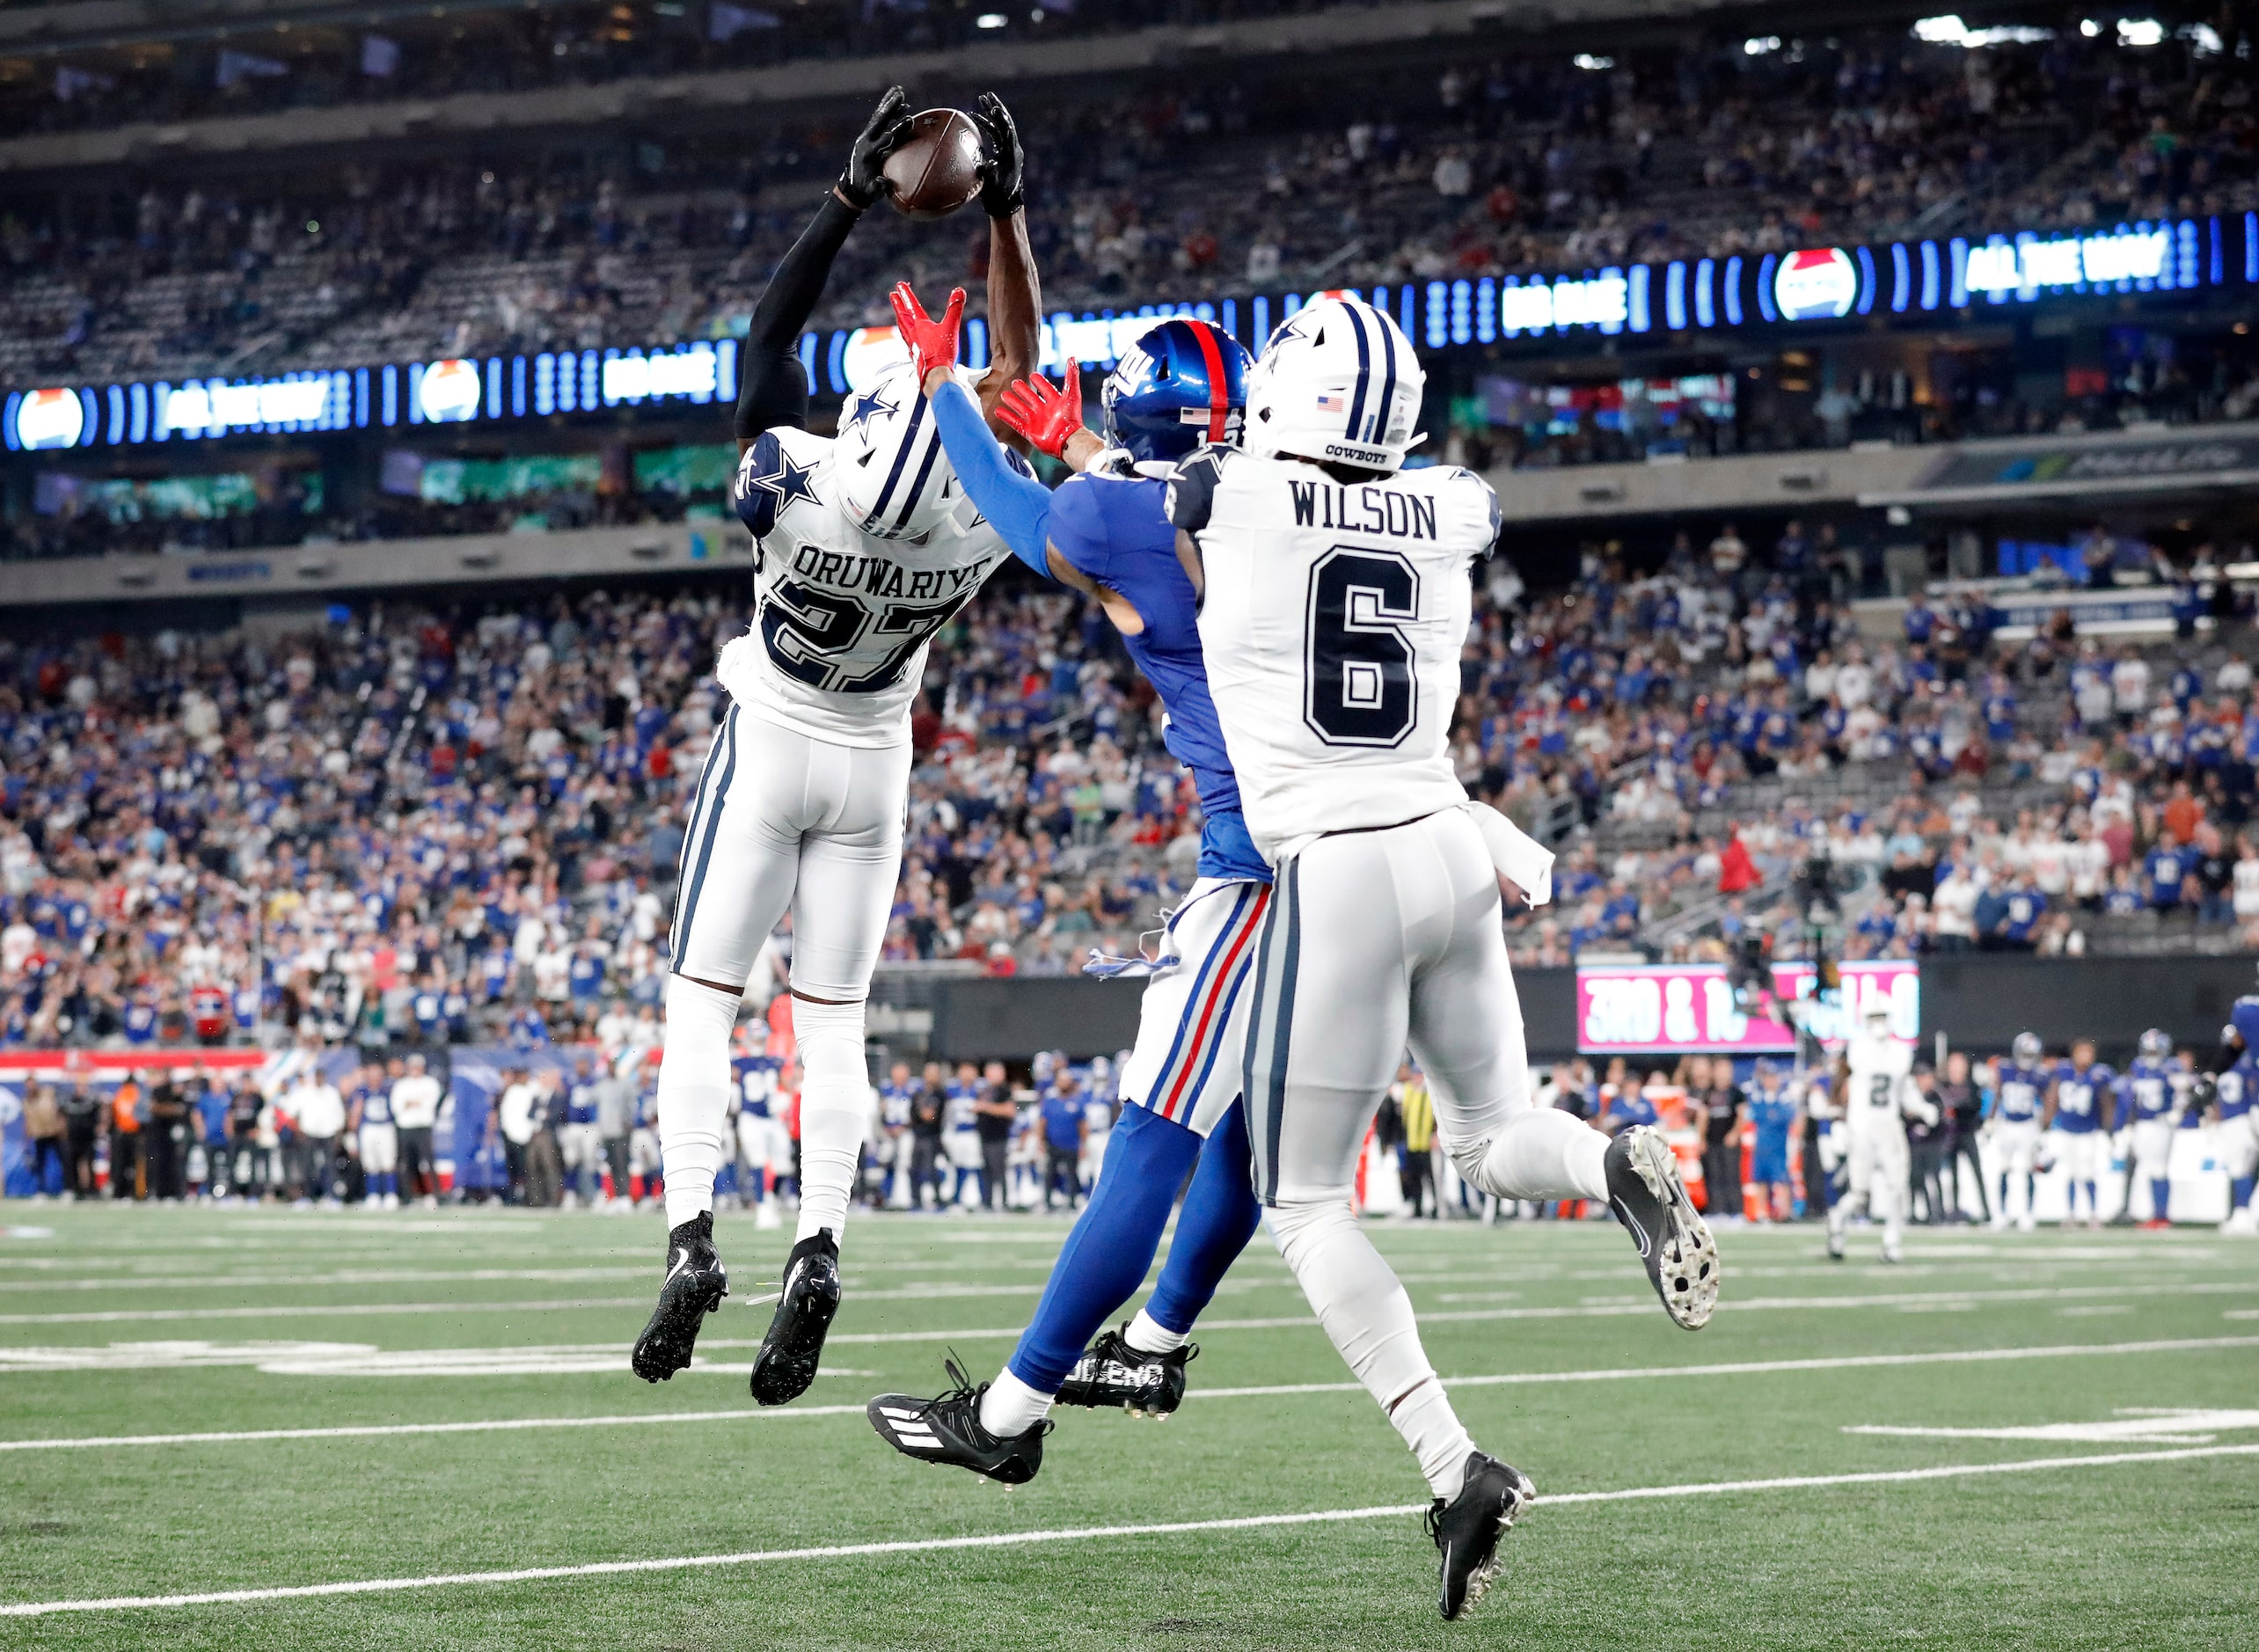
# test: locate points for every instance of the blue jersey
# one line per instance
(376, 1105)
(2149, 1089)
(2018, 1096)
(1633, 1107)
(1116, 530)
(2234, 1090)
(580, 1104)
(1773, 1117)
(141, 1023)
(755, 1078)
(2080, 1093)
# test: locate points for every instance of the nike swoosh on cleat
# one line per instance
(681, 1260)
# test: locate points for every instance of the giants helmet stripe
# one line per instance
(1219, 403)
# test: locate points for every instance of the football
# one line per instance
(937, 169)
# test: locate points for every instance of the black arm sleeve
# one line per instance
(771, 388)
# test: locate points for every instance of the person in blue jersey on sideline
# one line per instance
(1106, 534)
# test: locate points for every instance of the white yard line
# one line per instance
(1502, 1379)
(315, 1310)
(1598, 1307)
(500, 1426)
(1081, 1534)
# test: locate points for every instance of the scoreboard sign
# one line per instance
(1669, 1008)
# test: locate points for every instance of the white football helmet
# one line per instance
(890, 474)
(1338, 381)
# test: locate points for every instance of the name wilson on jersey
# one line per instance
(1379, 510)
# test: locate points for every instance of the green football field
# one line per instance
(266, 1428)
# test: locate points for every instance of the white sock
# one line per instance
(1366, 1312)
(1011, 1407)
(693, 1093)
(1424, 1417)
(1542, 1153)
(1149, 1335)
(835, 1107)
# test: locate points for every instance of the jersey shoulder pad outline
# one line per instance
(773, 473)
(1192, 487)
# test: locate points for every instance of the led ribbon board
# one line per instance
(1791, 290)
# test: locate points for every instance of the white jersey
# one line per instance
(1332, 623)
(1882, 1089)
(841, 617)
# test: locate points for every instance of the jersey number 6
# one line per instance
(1356, 671)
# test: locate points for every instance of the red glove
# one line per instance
(1046, 417)
(932, 343)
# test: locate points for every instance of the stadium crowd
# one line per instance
(1527, 161)
(417, 826)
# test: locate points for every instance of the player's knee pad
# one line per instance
(1360, 1302)
(1540, 1153)
(831, 1040)
(699, 1020)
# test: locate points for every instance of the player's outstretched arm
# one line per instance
(1018, 505)
(1015, 303)
(772, 389)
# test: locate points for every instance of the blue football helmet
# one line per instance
(1182, 383)
(2027, 1046)
(2156, 1044)
(2243, 1022)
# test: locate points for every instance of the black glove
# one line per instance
(864, 181)
(1002, 189)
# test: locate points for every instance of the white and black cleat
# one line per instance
(947, 1429)
(1648, 1198)
(693, 1288)
(809, 1297)
(1468, 1528)
(1112, 1373)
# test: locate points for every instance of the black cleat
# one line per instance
(1647, 1198)
(1112, 1373)
(947, 1429)
(694, 1286)
(1466, 1530)
(786, 1363)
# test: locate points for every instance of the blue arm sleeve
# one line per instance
(999, 482)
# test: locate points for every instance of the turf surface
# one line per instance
(134, 1322)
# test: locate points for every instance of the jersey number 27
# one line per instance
(1356, 668)
(807, 632)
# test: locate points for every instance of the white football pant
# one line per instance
(781, 822)
(1372, 941)
(1877, 1162)
(2017, 1143)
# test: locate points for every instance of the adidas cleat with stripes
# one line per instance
(1649, 1199)
(693, 1288)
(1111, 1373)
(1467, 1529)
(789, 1353)
(947, 1429)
